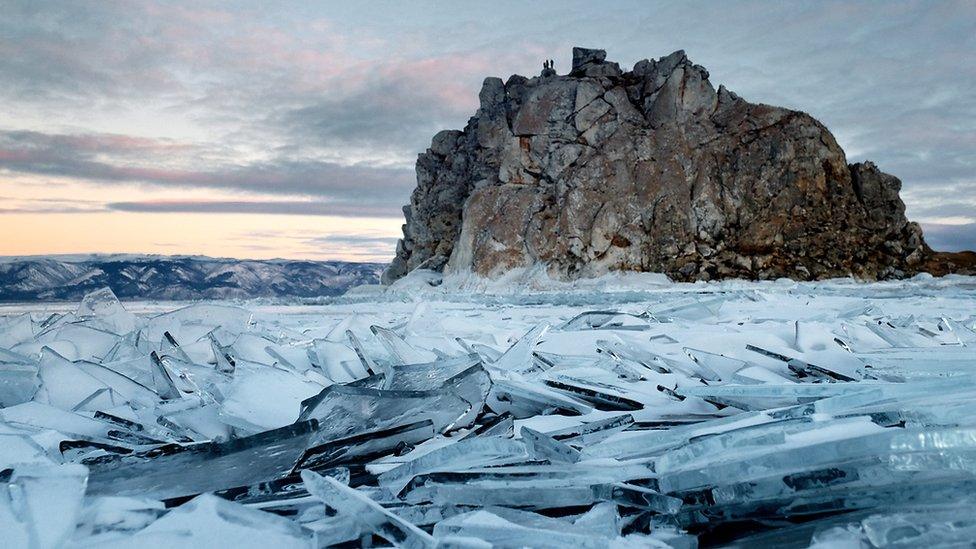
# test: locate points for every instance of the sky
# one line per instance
(290, 129)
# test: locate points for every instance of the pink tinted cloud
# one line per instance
(318, 57)
(12, 155)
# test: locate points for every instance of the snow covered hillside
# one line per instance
(177, 277)
(622, 412)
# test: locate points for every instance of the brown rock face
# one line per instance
(649, 170)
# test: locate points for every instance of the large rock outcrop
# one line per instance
(649, 170)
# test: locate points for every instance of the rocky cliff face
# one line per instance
(649, 170)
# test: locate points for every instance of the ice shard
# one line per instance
(544, 447)
(337, 361)
(403, 351)
(544, 495)
(176, 470)
(465, 454)
(365, 446)
(48, 501)
(15, 330)
(18, 383)
(368, 514)
(101, 309)
(518, 358)
(453, 404)
(65, 386)
(162, 379)
(209, 521)
(508, 532)
(260, 398)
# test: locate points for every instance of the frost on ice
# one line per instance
(656, 415)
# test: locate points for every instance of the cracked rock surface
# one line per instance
(650, 170)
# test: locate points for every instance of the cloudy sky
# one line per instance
(256, 129)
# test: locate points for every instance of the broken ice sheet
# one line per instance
(263, 397)
(192, 323)
(900, 432)
(46, 501)
(345, 409)
(338, 362)
(20, 449)
(169, 347)
(518, 358)
(623, 351)
(602, 396)
(127, 389)
(522, 399)
(713, 367)
(519, 529)
(348, 409)
(77, 342)
(400, 349)
(62, 424)
(18, 383)
(691, 308)
(641, 444)
(209, 521)
(364, 446)
(181, 470)
(101, 309)
(465, 454)
(531, 494)
(110, 518)
(545, 448)
(922, 525)
(592, 432)
(591, 320)
(429, 375)
(66, 386)
(195, 420)
(816, 447)
(523, 473)
(831, 365)
(15, 330)
(370, 516)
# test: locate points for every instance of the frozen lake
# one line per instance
(620, 412)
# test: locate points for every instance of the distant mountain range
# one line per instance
(177, 277)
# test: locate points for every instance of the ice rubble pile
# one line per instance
(690, 417)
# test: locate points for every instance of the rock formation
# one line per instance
(649, 170)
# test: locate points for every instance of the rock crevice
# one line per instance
(649, 170)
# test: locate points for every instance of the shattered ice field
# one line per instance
(620, 413)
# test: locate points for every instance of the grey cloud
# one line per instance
(894, 81)
(84, 157)
(49, 205)
(355, 240)
(362, 247)
(948, 206)
(51, 210)
(941, 199)
(393, 109)
(273, 208)
(366, 120)
(950, 238)
(72, 52)
(366, 247)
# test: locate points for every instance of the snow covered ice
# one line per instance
(619, 412)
